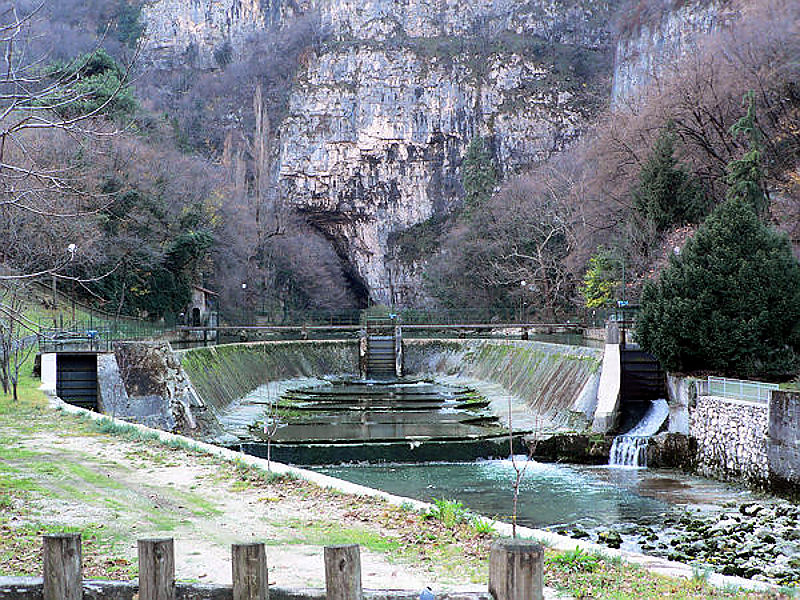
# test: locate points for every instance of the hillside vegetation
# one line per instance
(132, 184)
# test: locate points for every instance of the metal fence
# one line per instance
(95, 334)
(739, 389)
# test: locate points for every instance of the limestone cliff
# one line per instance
(190, 32)
(378, 121)
(649, 48)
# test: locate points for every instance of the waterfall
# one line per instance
(630, 448)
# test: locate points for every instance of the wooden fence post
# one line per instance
(516, 570)
(343, 572)
(62, 567)
(157, 569)
(250, 578)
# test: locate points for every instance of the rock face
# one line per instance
(379, 120)
(647, 51)
(190, 32)
(143, 382)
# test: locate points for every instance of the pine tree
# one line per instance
(730, 303)
(666, 194)
(745, 175)
(478, 175)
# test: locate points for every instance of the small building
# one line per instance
(204, 308)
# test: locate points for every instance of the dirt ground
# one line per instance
(135, 490)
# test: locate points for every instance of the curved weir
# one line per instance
(547, 386)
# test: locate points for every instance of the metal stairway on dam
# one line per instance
(382, 343)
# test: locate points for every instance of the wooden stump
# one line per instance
(516, 570)
(250, 579)
(62, 567)
(343, 572)
(156, 569)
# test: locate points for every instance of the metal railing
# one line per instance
(739, 389)
(95, 335)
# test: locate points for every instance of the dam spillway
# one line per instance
(546, 383)
(378, 421)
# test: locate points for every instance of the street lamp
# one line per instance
(72, 248)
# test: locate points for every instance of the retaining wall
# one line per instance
(783, 444)
(731, 438)
(755, 442)
(558, 382)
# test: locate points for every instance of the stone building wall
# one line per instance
(731, 438)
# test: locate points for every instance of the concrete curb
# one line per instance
(653, 564)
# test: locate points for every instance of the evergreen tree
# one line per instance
(666, 194)
(478, 175)
(730, 303)
(745, 175)
(92, 83)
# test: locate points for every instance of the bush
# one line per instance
(729, 303)
(601, 279)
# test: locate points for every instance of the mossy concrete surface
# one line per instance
(224, 374)
(557, 382)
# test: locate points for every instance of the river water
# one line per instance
(556, 497)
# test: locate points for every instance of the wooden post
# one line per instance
(156, 569)
(516, 570)
(343, 572)
(250, 572)
(62, 567)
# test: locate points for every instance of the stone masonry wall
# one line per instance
(731, 439)
(784, 439)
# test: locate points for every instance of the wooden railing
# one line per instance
(515, 573)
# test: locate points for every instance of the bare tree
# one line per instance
(272, 421)
(18, 335)
(37, 106)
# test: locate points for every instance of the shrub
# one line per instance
(601, 279)
(576, 561)
(449, 512)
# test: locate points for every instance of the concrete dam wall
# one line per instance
(558, 383)
(223, 374)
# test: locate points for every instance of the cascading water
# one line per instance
(630, 448)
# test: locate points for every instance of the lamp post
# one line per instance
(72, 248)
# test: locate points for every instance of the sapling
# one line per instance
(519, 471)
(271, 423)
